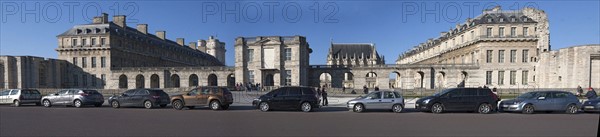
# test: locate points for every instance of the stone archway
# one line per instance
(464, 77)
(193, 80)
(419, 79)
(440, 79)
(348, 80)
(325, 80)
(154, 81)
(140, 81)
(371, 79)
(123, 81)
(212, 80)
(231, 81)
(175, 81)
(395, 80)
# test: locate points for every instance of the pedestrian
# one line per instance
(376, 88)
(579, 91)
(591, 94)
(324, 95)
(494, 90)
(343, 89)
(365, 89)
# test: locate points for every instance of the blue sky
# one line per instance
(394, 26)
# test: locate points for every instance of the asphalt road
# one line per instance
(245, 121)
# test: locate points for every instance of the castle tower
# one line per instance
(216, 48)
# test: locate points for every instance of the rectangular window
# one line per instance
(513, 56)
(103, 79)
(513, 77)
(462, 39)
(501, 32)
(75, 61)
(102, 41)
(524, 77)
(102, 62)
(251, 76)
(250, 55)
(489, 32)
(513, 31)
(488, 78)
(500, 56)
(288, 77)
(75, 80)
(93, 62)
(84, 79)
(525, 31)
(500, 77)
(94, 80)
(288, 53)
(525, 55)
(84, 42)
(74, 43)
(489, 56)
(472, 34)
(83, 62)
(93, 41)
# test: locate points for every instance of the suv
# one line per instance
(20, 96)
(303, 98)
(74, 97)
(148, 98)
(215, 97)
(481, 100)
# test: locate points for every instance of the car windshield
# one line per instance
(527, 95)
(442, 92)
(90, 91)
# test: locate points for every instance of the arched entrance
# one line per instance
(212, 80)
(325, 80)
(154, 81)
(231, 81)
(348, 80)
(139, 81)
(464, 76)
(440, 79)
(395, 80)
(123, 81)
(193, 80)
(371, 79)
(419, 78)
(175, 81)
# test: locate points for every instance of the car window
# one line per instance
(308, 91)
(90, 92)
(561, 95)
(282, 92)
(33, 92)
(388, 95)
(397, 94)
(141, 92)
(469, 92)
(14, 92)
(205, 91)
(375, 95)
(193, 92)
(484, 92)
(129, 92)
(72, 92)
(455, 93)
(295, 91)
(63, 92)
(215, 90)
(4, 93)
(272, 92)
(542, 94)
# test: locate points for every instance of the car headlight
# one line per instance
(517, 102)
(426, 101)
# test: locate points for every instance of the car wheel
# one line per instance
(484, 108)
(77, 103)
(46, 103)
(437, 108)
(571, 109)
(98, 105)
(148, 104)
(264, 106)
(215, 105)
(16, 103)
(190, 107)
(306, 107)
(177, 104)
(528, 109)
(358, 108)
(397, 108)
(225, 107)
(115, 104)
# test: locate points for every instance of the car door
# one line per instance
(560, 101)
(202, 98)
(470, 99)
(388, 100)
(453, 100)
(125, 98)
(61, 97)
(278, 100)
(69, 97)
(190, 98)
(4, 96)
(293, 98)
(13, 95)
(373, 100)
(139, 96)
(543, 101)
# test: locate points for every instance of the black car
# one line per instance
(481, 100)
(303, 98)
(592, 105)
(147, 98)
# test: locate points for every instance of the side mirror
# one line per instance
(541, 98)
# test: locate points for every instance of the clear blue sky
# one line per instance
(394, 26)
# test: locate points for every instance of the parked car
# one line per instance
(148, 98)
(294, 97)
(390, 100)
(215, 97)
(74, 97)
(592, 105)
(481, 100)
(530, 102)
(16, 97)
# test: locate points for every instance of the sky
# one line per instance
(30, 27)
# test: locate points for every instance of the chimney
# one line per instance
(143, 28)
(161, 34)
(193, 45)
(181, 41)
(103, 19)
(120, 20)
(202, 45)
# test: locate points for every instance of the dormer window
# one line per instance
(501, 19)
(97, 30)
(489, 20)
(78, 31)
(513, 19)
(524, 19)
(87, 31)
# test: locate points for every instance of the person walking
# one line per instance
(324, 95)
(365, 89)
(579, 91)
(591, 94)
(376, 88)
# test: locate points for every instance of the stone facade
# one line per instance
(32, 72)
(570, 67)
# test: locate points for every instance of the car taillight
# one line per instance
(155, 97)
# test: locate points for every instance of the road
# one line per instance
(243, 120)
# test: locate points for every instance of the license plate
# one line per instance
(590, 107)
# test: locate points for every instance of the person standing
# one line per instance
(579, 91)
(365, 89)
(324, 95)
(591, 94)
(376, 88)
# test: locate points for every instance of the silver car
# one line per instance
(378, 100)
(530, 102)
(74, 97)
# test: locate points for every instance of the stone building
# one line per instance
(570, 67)
(354, 54)
(32, 72)
(272, 60)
